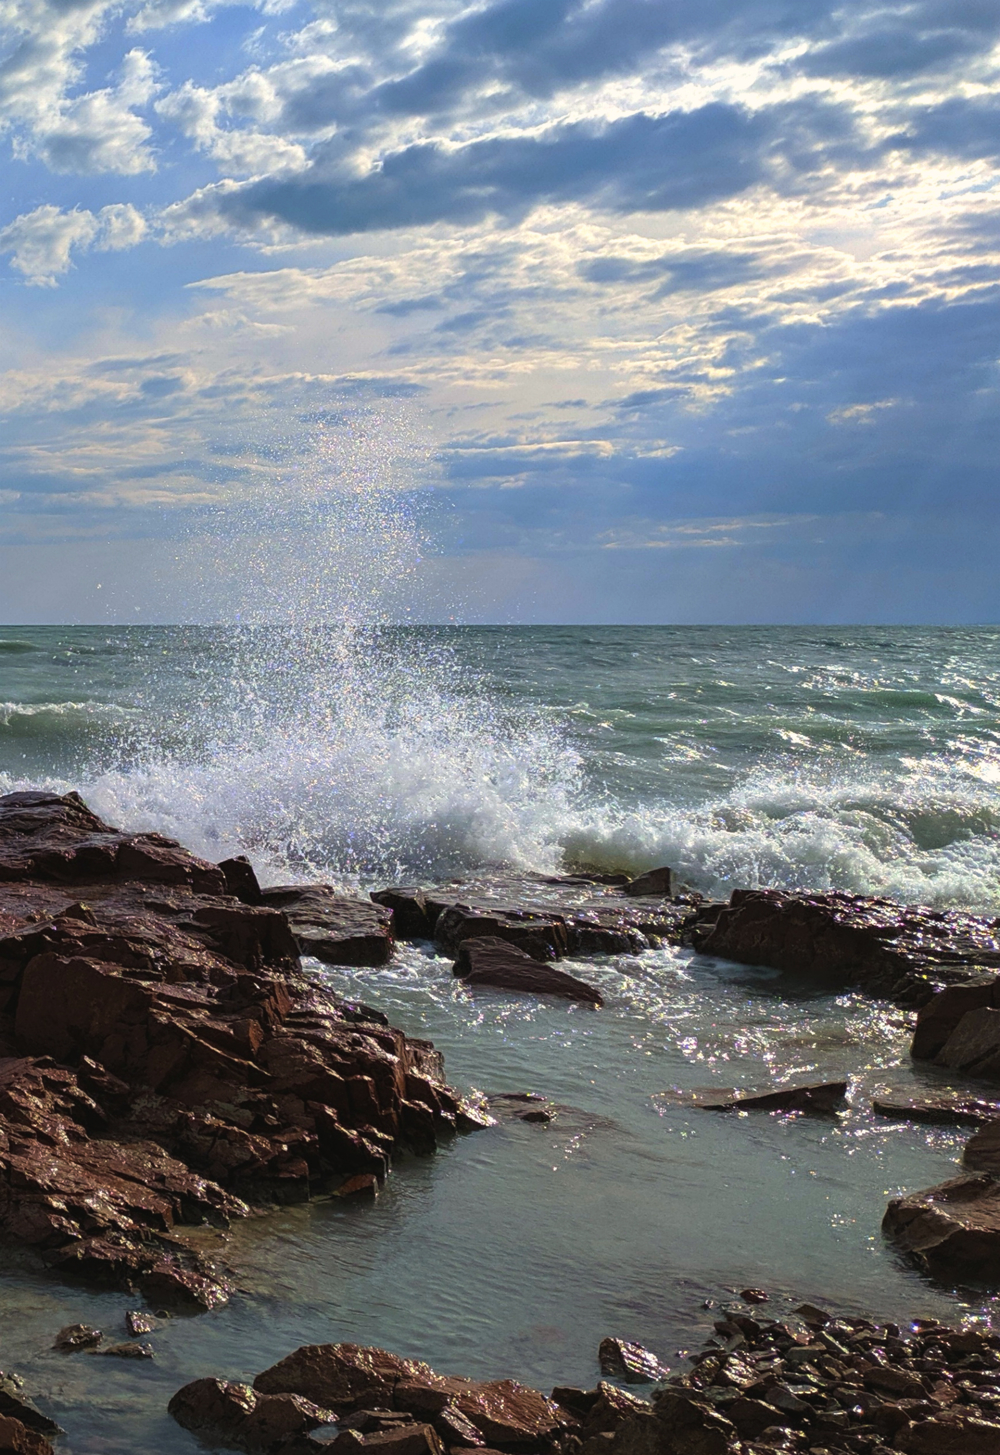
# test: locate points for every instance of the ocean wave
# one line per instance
(13, 648)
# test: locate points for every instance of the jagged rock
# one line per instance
(77, 1336)
(137, 1322)
(944, 1435)
(334, 927)
(348, 1376)
(941, 1014)
(14, 1406)
(817, 1100)
(653, 882)
(904, 953)
(241, 880)
(982, 1151)
(631, 1362)
(199, 1065)
(411, 1439)
(414, 911)
(17, 1439)
(237, 1416)
(952, 1229)
(492, 962)
(974, 1045)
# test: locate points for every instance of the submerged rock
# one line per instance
(492, 962)
(334, 927)
(77, 1336)
(941, 1109)
(163, 1059)
(953, 1229)
(904, 953)
(821, 1099)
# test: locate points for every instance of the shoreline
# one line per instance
(75, 891)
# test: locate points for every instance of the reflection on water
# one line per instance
(516, 1249)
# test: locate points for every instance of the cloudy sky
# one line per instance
(556, 310)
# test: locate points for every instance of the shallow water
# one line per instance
(741, 757)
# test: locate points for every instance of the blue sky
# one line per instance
(555, 310)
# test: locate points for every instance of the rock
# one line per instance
(941, 1014)
(348, 1376)
(536, 936)
(14, 1406)
(362, 1184)
(414, 914)
(137, 1322)
(751, 1416)
(953, 1229)
(974, 1045)
(654, 881)
(607, 1407)
(241, 881)
(237, 1416)
(816, 1100)
(942, 1108)
(754, 1295)
(963, 1435)
(982, 1151)
(17, 1439)
(411, 1439)
(904, 953)
(489, 961)
(77, 1336)
(129, 1351)
(162, 1055)
(630, 1362)
(334, 927)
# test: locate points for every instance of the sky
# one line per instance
(518, 310)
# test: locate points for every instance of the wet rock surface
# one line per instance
(163, 1061)
(903, 953)
(491, 962)
(545, 916)
(952, 1230)
(815, 1100)
(631, 1362)
(334, 927)
(775, 1378)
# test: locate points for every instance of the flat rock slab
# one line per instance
(815, 1100)
(903, 953)
(942, 1110)
(546, 916)
(953, 1230)
(332, 926)
(493, 963)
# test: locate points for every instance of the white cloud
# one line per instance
(41, 243)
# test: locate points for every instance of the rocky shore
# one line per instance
(166, 1062)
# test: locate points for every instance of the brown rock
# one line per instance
(362, 1184)
(414, 915)
(952, 1229)
(942, 1109)
(654, 881)
(538, 936)
(964, 1435)
(607, 1407)
(334, 927)
(173, 1286)
(241, 881)
(489, 961)
(137, 1322)
(982, 1151)
(237, 1416)
(129, 1351)
(631, 1362)
(941, 1014)
(751, 1416)
(904, 953)
(77, 1336)
(348, 1376)
(817, 1100)
(974, 1045)
(17, 1439)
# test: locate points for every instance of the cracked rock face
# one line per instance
(163, 1061)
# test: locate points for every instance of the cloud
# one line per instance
(41, 243)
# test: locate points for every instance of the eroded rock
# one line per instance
(904, 953)
(631, 1362)
(240, 1417)
(953, 1229)
(334, 927)
(489, 961)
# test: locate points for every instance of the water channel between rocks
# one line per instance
(514, 1250)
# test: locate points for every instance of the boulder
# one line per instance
(819, 1100)
(349, 1377)
(77, 1336)
(904, 953)
(631, 1362)
(982, 1151)
(489, 961)
(974, 1045)
(414, 913)
(162, 1057)
(654, 882)
(241, 881)
(17, 1439)
(239, 1417)
(334, 927)
(953, 1229)
(941, 1014)
(949, 1435)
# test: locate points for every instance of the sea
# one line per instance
(864, 759)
